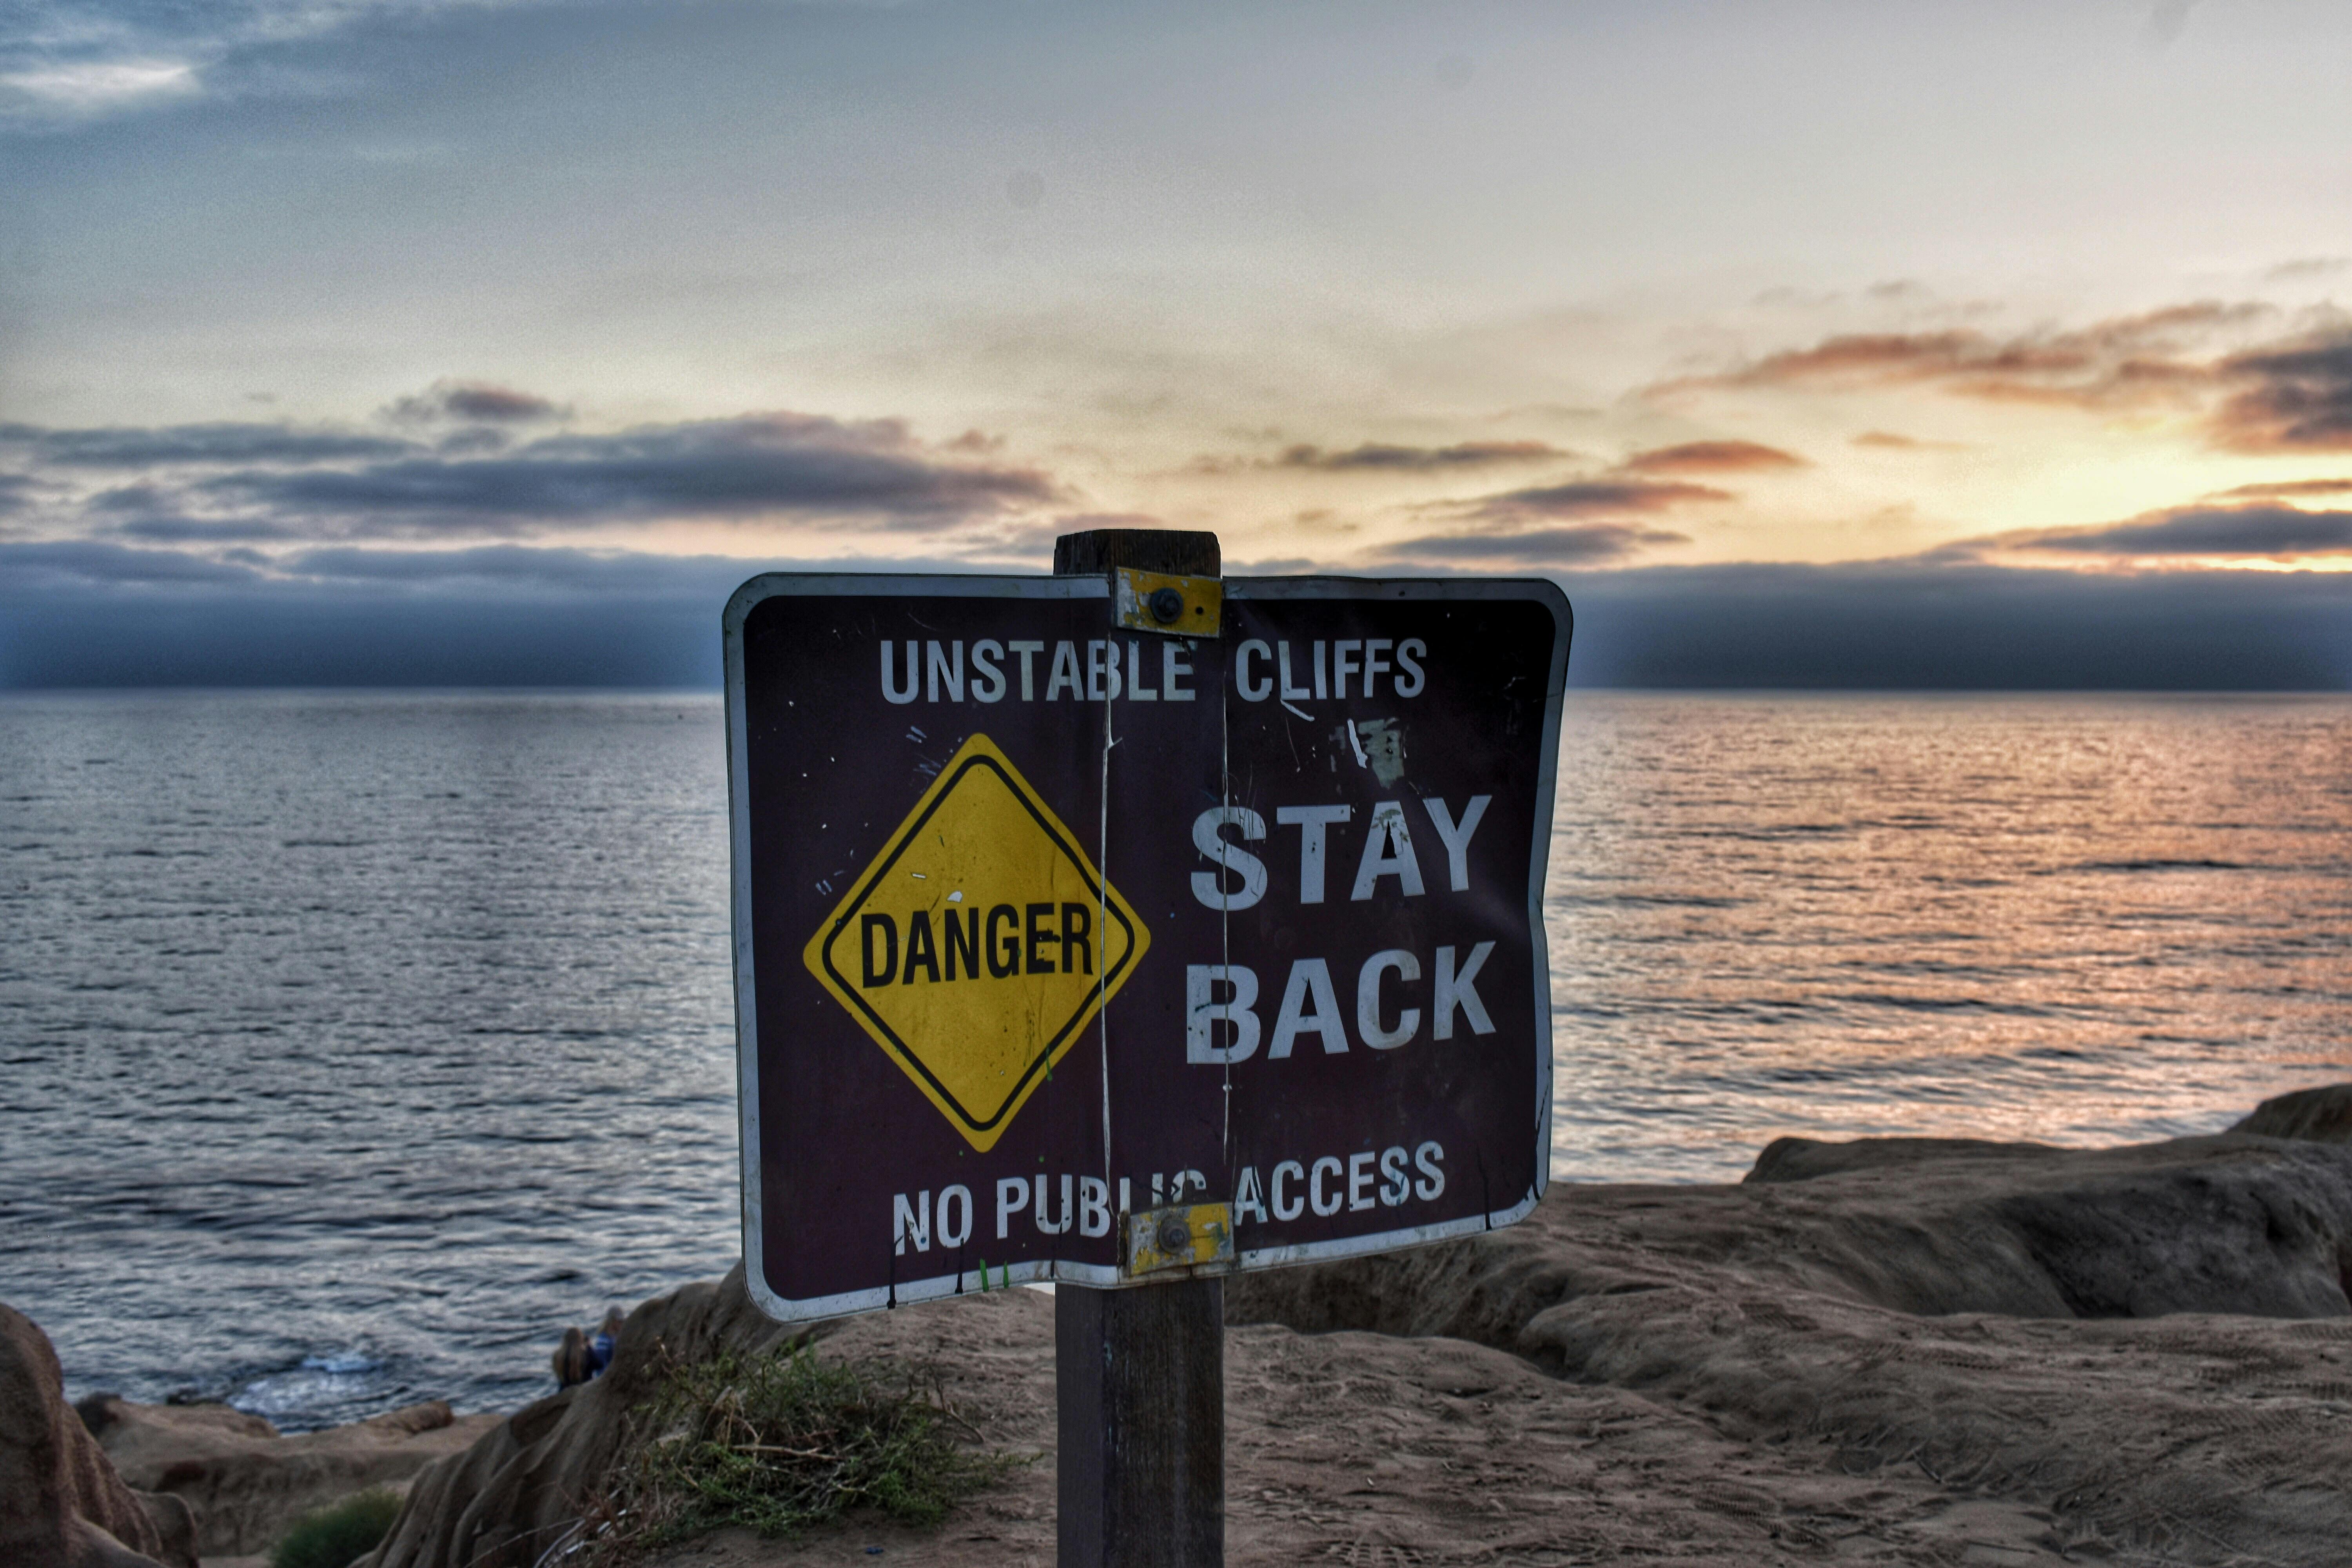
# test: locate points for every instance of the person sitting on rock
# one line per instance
(582, 1356)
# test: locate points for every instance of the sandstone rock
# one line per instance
(1802, 1159)
(2322, 1115)
(246, 1482)
(61, 1503)
(2226, 1225)
(1896, 1352)
(2195, 1224)
(1921, 1305)
(523, 1483)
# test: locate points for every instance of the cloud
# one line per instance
(494, 568)
(2294, 398)
(2252, 533)
(84, 614)
(71, 62)
(2289, 394)
(1922, 626)
(1595, 497)
(221, 443)
(2124, 362)
(1044, 533)
(202, 530)
(97, 614)
(511, 565)
(473, 401)
(1381, 457)
(1591, 544)
(1510, 530)
(2308, 266)
(73, 90)
(1711, 458)
(37, 563)
(270, 481)
(2284, 490)
(755, 466)
(1853, 358)
(1888, 441)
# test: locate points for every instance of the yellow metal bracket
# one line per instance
(1174, 606)
(1188, 1235)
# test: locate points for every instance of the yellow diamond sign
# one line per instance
(979, 945)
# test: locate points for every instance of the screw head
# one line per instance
(1175, 1235)
(1167, 605)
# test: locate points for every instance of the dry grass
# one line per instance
(779, 1443)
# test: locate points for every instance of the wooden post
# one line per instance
(1139, 1373)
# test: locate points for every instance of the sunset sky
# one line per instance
(1835, 343)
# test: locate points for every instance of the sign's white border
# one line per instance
(810, 585)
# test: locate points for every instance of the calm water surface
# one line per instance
(350, 1045)
(2069, 919)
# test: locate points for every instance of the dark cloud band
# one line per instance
(1596, 498)
(2297, 398)
(259, 482)
(1593, 543)
(2272, 532)
(1381, 459)
(741, 468)
(214, 444)
(91, 613)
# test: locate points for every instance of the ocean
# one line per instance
(353, 1045)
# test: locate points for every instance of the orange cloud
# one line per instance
(2129, 361)
(1888, 440)
(2292, 394)
(1711, 458)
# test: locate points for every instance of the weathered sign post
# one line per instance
(1126, 929)
(1140, 1375)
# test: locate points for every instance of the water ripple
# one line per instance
(355, 1044)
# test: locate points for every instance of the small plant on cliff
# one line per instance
(339, 1534)
(778, 1443)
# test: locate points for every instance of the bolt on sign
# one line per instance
(1072, 947)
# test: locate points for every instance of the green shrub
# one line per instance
(338, 1534)
(778, 1443)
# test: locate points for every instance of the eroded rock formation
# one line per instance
(1890, 1351)
(61, 1503)
(244, 1481)
(1885, 1350)
(524, 1483)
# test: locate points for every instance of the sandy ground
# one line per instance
(1363, 1449)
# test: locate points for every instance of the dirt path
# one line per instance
(1364, 1449)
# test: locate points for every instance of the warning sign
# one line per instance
(1094, 940)
(980, 944)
